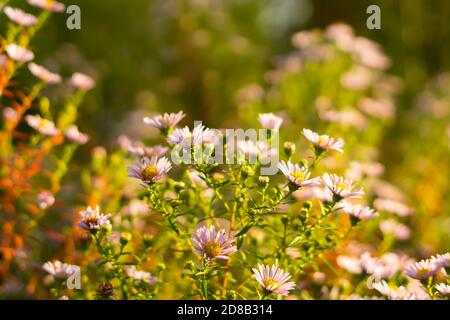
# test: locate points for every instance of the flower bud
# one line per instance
(289, 148)
(125, 237)
(148, 240)
(263, 181)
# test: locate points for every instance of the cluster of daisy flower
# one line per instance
(209, 230)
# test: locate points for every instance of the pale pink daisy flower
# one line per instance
(45, 199)
(19, 53)
(60, 270)
(140, 275)
(341, 34)
(200, 136)
(150, 170)
(213, 244)
(401, 293)
(359, 170)
(351, 264)
(396, 229)
(357, 78)
(48, 5)
(273, 279)
(384, 109)
(195, 178)
(10, 114)
(74, 135)
(442, 260)
(422, 269)
(3, 60)
(305, 38)
(369, 53)
(340, 187)
(44, 74)
(443, 289)
(323, 142)
(82, 81)
(165, 121)
(298, 175)
(393, 206)
(270, 121)
(92, 219)
(359, 212)
(137, 148)
(19, 16)
(44, 126)
(349, 118)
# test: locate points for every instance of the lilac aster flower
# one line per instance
(165, 121)
(45, 199)
(20, 17)
(442, 260)
(18, 53)
(298, 175)
(200, 135)
(273, 279)
(43, 74)
(443, 289)
(60, 270)
(150, 170)
(358, 211)
(270, 121)
(74, 135)
(44, 126)
(323, 142)
(48, 5)
(340, 187)
(422, 269)
(82, 81)
(92, 219)
(213, 244)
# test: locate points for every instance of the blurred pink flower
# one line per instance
(19, 53)
(82, 81)
(76, 136)
(165, 121)
(44, 74)
(20, 17)
(396, 229)
(45, 199)
(44, 126)
(270, 121)
(49, 5)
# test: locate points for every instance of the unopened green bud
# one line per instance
(148, 240)
(289, 148)
(263, 181)
(125, 237)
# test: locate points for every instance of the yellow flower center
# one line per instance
(212, 249)
(298, 175)
(321, 140)
(149, 173)
(422, 272)
(269, 282)
(341, 186)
